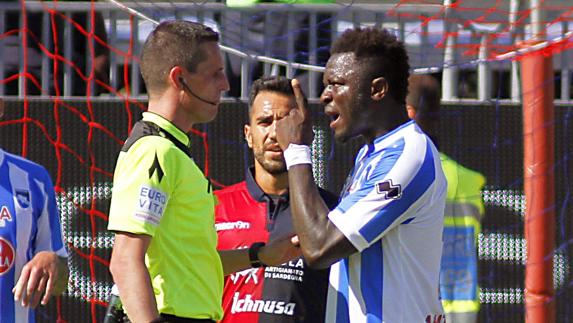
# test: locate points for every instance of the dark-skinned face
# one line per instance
(268, 107)
(345, 97)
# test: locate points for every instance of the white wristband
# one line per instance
(296, 155)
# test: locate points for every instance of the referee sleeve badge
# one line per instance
(151, 204)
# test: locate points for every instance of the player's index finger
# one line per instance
(299, 96)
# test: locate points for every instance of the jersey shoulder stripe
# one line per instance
(34, 170)
(410, 194)
(374, 167)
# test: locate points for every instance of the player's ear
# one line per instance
(248, 136)
(411, 112)
(1, 108)
(378, 89)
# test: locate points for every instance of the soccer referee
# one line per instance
(164, 260)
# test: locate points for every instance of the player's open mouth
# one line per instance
(332, 113)
(333, 119)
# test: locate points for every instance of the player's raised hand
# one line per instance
(296, 127)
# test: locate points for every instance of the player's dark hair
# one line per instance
(379, 53)
(424, 96)
(278, 84)
(173, 43)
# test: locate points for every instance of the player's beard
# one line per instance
(272, 166)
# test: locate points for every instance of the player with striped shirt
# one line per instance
(33, 264)
(384, 239)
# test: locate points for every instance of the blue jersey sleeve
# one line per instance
(385, 192)
(49, 232)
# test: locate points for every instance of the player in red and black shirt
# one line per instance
(257, 210)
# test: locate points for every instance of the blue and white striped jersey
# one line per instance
(392, 211)
(29, 223)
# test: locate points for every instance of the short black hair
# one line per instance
(278, 84)
(424, 96)
(379, 53)
(173, 43)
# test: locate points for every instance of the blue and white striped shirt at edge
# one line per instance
(34, 225)
(394, 276)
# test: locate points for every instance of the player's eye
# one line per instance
(265, 122)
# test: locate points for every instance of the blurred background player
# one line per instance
(164, 260)
(258, 210)
(383, 240)
(33, 259)
(464, 210)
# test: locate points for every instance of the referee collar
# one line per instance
(255, 190)
(167, 126)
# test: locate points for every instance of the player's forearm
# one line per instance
(310, 213)
(135, 290)
(234, 260)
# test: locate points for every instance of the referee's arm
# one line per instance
(274, 253)
(128, 269)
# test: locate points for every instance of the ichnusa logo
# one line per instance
(389, 190)
(248, 304)
(6, 256)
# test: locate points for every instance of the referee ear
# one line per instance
(379, 88)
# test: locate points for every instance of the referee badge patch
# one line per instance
(151, 204)
(389, 190)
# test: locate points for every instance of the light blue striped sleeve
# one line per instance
(388, 196)
(49, 232)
